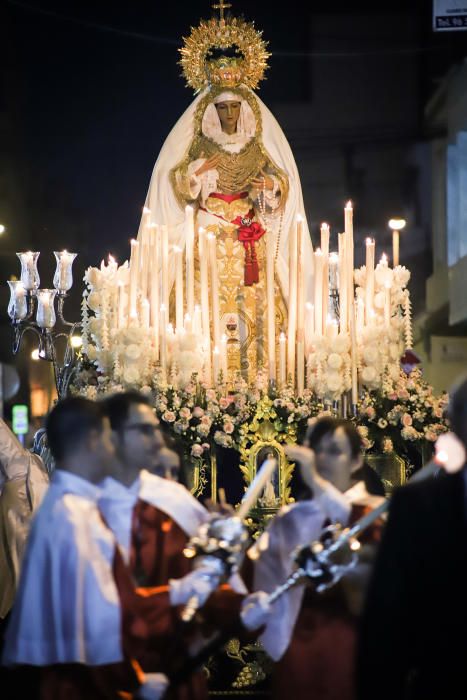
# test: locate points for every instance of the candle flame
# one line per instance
(111, 258)
(177, 249)
(333, 258)
(216, 350)
(384, 259)
(318, 251)
(282, 338)
(349, 205)
(369, 241)
(134, 242)
(146, 210)
(309, 305)
(300, 218)
(324, 225)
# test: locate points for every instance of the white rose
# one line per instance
(370, 355)
(133, 351)
(92, 353)
(94, 301)
(130, 375)
(341, 344)
(379, 300)
(334, 382)
(369, 374)
(334, 361)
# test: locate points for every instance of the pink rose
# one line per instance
(370, 412)
(224, 402)
(168, 416)
(406, 420)
(198, 412)
(196, 450)
(229, 427)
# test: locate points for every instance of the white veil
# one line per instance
(165, 207)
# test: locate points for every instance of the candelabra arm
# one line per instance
(60, 304)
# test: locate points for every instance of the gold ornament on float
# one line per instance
(246, 67)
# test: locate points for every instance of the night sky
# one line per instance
(91, 89)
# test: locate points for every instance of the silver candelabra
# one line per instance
(36, 309)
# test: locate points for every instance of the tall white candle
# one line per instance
(223, 351)
(154, 298)
(349, 254)
(343, 290)
(292, 329)
(282, 359)
(145, 313)
(121, 305)
(134, 271)
(178, 288)
(144, 261)
(354, 354)
(165, 267)
(309, 325)
(197, 326)
(216, 364)
(163, 340)
(319, 264)
(270, 307)
(216, 327)
(204, 281)
(370, 278)
(188, 323)
(190, 260)
(387, 304)
(300, 310)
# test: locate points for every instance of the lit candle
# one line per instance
(300, 310)
(224, 364)
(216, 364)
(204, 281)
(197, 320)
(293, 273)
(144, 261)
(214, 288)
(332, 329)
(270, 307)
(353, 352)
(178, 288)
(154, 291)
(370, 278)
(282, 359)
(121, 305)
(343, 289)
(349, 254)
(165, 266)
(63, 278)
(45, 315)
(360, 316)
(17, 306)
(309, 325)
(145, 313)
(333, 272)
(187, 324)
(134, 269)
(387, 304)
(319, 263)
(189, 260)
(163, 340)
(29, 273)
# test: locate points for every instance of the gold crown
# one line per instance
(246, 67)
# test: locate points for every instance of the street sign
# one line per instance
(449, 15)
(20, 420)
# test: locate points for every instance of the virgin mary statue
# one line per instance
(228, 157)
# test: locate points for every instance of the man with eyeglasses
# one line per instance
(153, 519)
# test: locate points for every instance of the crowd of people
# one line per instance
(95, 581)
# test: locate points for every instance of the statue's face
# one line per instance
(228, 114)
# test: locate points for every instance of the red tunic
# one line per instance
(320, 660)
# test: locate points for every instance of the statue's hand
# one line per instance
(264, 182)
(209, 164)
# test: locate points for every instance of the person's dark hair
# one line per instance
(457, 408)
(174, 445)
(328, 425)
(70, 422)
(118, 407)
